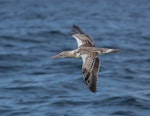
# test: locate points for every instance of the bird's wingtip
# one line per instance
(74, 26)
(76, 29)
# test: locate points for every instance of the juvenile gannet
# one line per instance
(89, 54)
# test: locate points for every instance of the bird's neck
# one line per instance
(72, 54)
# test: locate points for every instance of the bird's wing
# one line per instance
(81, 38)
(90, 70)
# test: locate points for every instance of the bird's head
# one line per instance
(61, 55)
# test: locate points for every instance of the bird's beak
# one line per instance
(56, 56)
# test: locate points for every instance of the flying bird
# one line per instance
(89, 54)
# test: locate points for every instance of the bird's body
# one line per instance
(89, 54)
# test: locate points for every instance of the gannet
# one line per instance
(89, 54)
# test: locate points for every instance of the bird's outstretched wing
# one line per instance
(90, 70)
(83, 40)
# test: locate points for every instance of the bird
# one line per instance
(89, 54)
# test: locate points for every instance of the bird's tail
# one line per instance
(107, 50)
(112, 50)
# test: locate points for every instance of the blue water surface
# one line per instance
(33, 84)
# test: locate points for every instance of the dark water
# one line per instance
(33, 84)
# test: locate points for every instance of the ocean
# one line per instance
(34, 84)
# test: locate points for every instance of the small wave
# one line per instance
(5, 109)
(124, 101)
(51, 33)
(23, 88)
(66, 103)
(123, 113)
(38, 73)
(9, 68)
(128, 100)
(7, 37)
